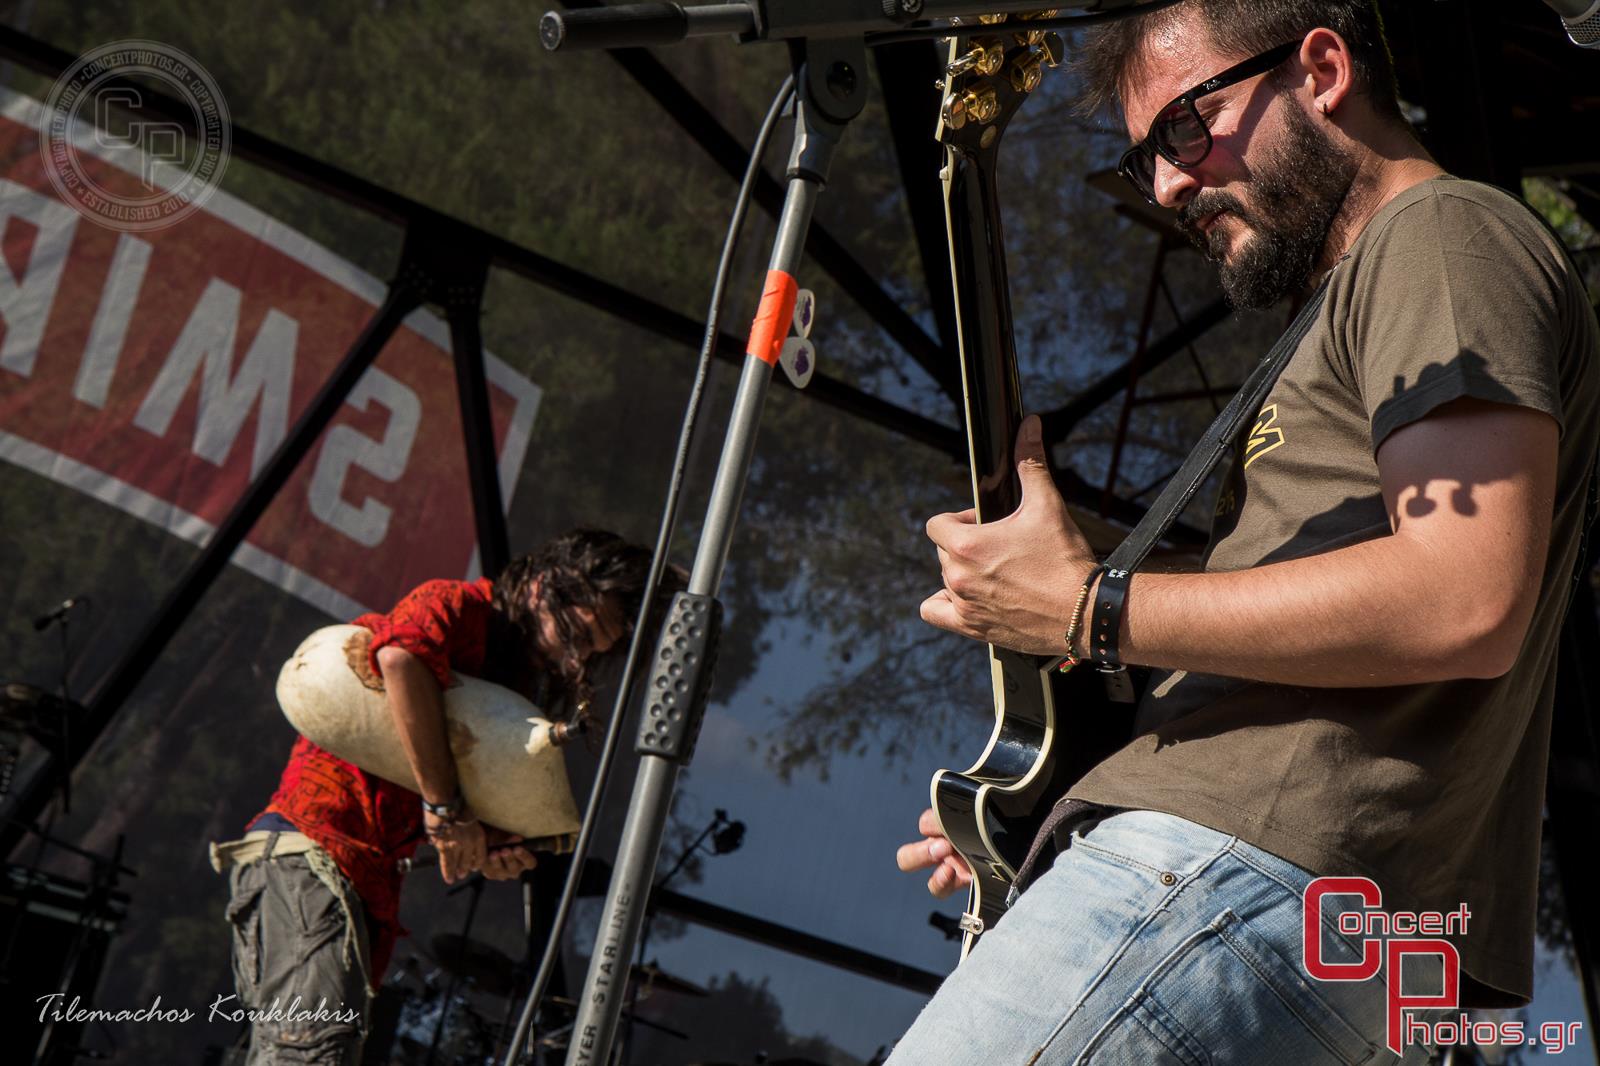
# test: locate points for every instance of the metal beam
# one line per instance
(829, 253)
(130, 668)
(795, 942)
(597, 877)
(672, 325)
(1061, 422)
(1078, 492)
(460, 272)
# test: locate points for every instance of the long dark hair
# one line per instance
(581, 568)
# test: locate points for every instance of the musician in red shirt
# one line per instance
(316, 880)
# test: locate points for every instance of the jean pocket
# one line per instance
(1144, 1034)
(1227, 995)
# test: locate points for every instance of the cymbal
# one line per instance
(489, 968)
(29, 708)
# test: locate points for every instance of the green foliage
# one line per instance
(1550, 200)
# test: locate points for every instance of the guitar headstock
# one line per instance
(990, 72)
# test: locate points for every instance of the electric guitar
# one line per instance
(991, 811)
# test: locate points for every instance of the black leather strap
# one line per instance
(1112, 595)
(1109, 600)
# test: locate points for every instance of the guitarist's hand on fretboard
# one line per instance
(950, 872)
(1013, 582)
(1015, 564)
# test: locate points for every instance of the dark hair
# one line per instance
(581, 568)
(1243, 28)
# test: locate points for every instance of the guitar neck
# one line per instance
(992, 388)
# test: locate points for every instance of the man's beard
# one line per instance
(1297, 193)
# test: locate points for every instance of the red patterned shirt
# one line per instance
(366, 823)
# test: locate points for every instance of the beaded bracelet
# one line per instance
(1077, 619)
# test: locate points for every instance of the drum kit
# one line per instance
(439, 1011)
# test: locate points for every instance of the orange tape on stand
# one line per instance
(775, 317)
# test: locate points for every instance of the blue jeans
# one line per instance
(1154, 941)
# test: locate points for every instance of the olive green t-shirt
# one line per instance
(1434, 791)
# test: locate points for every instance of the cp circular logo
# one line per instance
(105, 107)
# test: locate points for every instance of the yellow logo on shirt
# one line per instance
(1265, 437)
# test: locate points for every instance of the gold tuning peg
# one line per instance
(1055, 50)
(1027, 72)
(974, 105)
(985, 59)
(982, 105)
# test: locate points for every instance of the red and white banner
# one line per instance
(158, 371)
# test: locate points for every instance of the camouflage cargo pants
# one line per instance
(296, 938)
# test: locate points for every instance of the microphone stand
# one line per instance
(831, 90)
(719, 826)
(66, 716)
(877, 22)
(828, 41)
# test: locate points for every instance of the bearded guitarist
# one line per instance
(1360, 681)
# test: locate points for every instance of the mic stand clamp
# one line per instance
(831, 90)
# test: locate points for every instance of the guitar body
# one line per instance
(1050, 728)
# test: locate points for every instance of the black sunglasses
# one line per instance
(1179, 133)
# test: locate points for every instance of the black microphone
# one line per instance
(1582, 18)
(44, 621)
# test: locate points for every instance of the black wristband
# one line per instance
(450, 810)
(1106, 627)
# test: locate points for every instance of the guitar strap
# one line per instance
(1221, 435)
